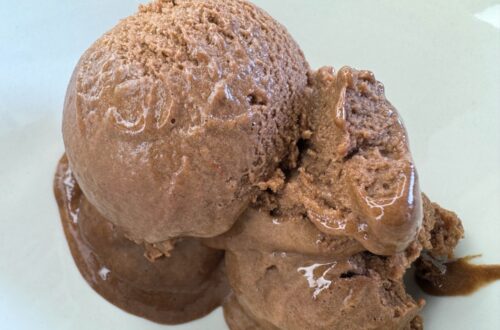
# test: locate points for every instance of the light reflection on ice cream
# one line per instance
(318, 283)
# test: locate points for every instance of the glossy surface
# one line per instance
(211, 71)
(359, 123)
(439, 64)
(185, 286)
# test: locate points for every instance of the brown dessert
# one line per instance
(183, 109)
(197, 127)
(310, 255)
(183, 285)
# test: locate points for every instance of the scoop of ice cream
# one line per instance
(286, 274)
(174, 117)
(318, 294)
(320, 282)
(356, 177)
(181, 286)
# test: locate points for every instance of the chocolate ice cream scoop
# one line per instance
(320, 282)
(181, 286)
(174, 117)
(357, 177)
(292, 292)
(287, 274)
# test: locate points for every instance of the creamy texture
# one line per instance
(286, 274)
(202, 119)
(278, 287)
(356, 178)
(183, 286)
(327, 246)
(360, 164)
(174, 118)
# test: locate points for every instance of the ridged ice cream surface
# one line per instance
(174, 117)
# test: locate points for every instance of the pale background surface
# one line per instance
(441, 67)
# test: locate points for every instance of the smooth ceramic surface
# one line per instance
(439, 61)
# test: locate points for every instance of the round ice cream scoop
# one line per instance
(316, 283)
(182, 285)
(174, 117)
(358, 178)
